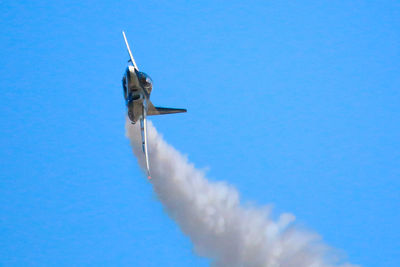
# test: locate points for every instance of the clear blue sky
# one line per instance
(295, 104)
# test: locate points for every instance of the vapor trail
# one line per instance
(211, 214)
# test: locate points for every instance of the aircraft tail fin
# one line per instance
(152, 110)
(162, 111)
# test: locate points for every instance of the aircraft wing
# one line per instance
(152, 110)
(143, 128)
(130, 53)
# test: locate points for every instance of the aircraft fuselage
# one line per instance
(137, 88)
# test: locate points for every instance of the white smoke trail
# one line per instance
(219, 226)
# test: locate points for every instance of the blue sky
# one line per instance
(295, 104)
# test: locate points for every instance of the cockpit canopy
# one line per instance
(145, 81)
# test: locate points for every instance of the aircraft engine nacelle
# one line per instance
(145, 81)
(130, 85)
(125, 87)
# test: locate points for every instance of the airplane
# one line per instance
(137, 87)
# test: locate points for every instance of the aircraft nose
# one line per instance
(131, 115)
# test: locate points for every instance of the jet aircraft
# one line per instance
(137, 87)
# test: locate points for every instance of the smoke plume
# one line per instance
(220, 227)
